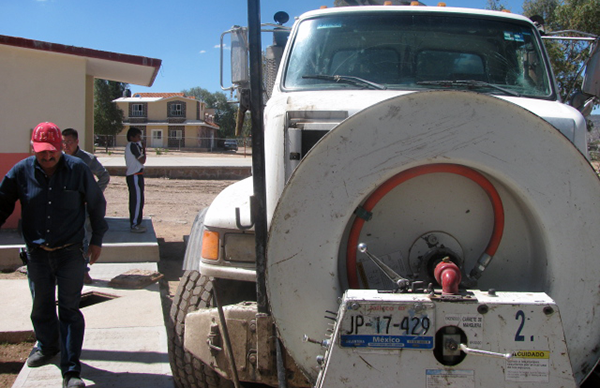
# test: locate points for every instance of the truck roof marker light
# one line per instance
(323, 7)
(506, 11)
(415, 3)
(387, 3)
(440, 4)
(210, 245)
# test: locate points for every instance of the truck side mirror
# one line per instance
(240, 76)
(239, 56)
(591, 81)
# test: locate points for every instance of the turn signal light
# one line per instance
(210, 245)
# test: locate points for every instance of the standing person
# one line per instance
(70, 143)
(135, 157)
(55, 190)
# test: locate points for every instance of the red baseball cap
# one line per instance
(46, 137)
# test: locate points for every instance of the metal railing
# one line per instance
(174, 143)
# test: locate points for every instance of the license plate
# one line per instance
(389, 326)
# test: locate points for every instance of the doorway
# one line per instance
(157, 138)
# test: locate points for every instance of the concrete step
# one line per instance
(119, 245)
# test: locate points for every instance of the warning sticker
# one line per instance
(528, 366)
(471, 324)
(438, 378)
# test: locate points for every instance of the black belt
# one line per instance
(48, 249)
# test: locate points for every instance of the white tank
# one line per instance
(542, 228)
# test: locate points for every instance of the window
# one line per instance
(176, 110)
(137, 110)
(449, 65)
(175, 134)
(414, 50)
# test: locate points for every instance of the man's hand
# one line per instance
(93, 253)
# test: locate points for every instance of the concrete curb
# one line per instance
(189, 172)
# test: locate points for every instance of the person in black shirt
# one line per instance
(54, 190)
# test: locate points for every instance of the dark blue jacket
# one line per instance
(53, 209)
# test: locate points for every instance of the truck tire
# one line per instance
(191, 259)
(193, 293)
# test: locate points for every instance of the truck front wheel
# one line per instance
(193, 293)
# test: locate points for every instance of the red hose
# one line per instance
(406, 175)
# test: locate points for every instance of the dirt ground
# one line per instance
(172, 204)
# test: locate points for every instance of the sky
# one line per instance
(184, 34)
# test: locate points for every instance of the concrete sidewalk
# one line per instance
(119, 244)
(125, 338)
(182, 161)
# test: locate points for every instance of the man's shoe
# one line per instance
(72, 381)
(87, 279)
(38, 359)
(138, 229)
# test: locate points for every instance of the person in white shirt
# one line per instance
(135, 157)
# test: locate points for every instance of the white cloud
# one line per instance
(202, 51)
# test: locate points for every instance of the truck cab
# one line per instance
(340, 61)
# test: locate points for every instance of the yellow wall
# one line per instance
(88, 141)
(38, 86)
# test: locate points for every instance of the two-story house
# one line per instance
(168, 120)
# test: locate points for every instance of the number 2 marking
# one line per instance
(518, 336)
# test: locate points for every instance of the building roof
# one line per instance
(153, 97)
(107, 65)
(163, 95)
(161, 123)
(138, 99)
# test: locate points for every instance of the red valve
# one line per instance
(448, 275)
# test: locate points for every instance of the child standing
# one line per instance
(135, 157)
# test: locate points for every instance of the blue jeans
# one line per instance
(46, 270)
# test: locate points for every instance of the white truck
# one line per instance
(432, 216)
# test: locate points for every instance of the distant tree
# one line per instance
(567, 57)
(200, 94)
(495, 5)
(345, 3)
(108, 118)
(544, 8)
(225, 112)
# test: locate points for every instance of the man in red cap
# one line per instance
(55, 190)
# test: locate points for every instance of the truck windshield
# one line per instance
(417, 51)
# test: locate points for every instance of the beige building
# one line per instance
(42, 81)
(168, 120)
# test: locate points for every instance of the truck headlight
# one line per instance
(239, 247)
